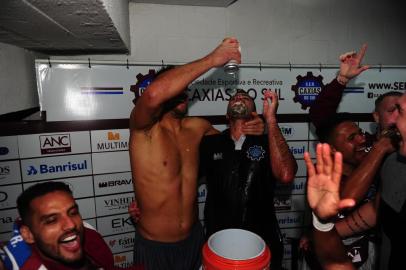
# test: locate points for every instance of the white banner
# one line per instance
(77, 92)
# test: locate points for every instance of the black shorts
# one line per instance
(182, 255)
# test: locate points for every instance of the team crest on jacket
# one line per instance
(255, 152)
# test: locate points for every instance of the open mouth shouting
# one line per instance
(71, 242)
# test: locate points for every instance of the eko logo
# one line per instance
(45, 168)
(56, 143)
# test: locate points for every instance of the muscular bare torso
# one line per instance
(164, 163)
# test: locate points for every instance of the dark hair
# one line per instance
(379, 100)
(325, 131)
(35, 191)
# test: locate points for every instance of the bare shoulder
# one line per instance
(197, 123)
(196, 120)
(200, 125)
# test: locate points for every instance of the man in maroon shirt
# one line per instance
(361, 159)
(58, 238)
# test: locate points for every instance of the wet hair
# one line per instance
(35, 191)
(326, 130)
(379, 100)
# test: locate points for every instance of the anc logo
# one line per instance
(142, 83)
(307, 88)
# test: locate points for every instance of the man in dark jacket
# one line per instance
(241, 172)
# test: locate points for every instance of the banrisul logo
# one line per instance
(56, 143)
(66, 167)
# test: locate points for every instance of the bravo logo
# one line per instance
(287, 131)
(57, 143)
(67, 167)
(121, 222)
(114, 183)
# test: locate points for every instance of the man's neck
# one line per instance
(171, 122)
(236, 128)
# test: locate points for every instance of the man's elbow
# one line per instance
(287, 176)
(152, 99)
(356, 195)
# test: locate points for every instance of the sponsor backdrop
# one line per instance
(95, 161)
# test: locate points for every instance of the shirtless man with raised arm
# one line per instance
(164, 157)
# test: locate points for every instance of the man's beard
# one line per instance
(54, 255)
(239, 110)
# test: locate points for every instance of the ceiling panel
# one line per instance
(74, 26)
(209, 3)
(55, 26)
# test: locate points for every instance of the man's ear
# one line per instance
(27, 234)
(375, 115)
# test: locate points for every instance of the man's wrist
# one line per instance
(271, 120)
(342, 79)
(322, 226)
